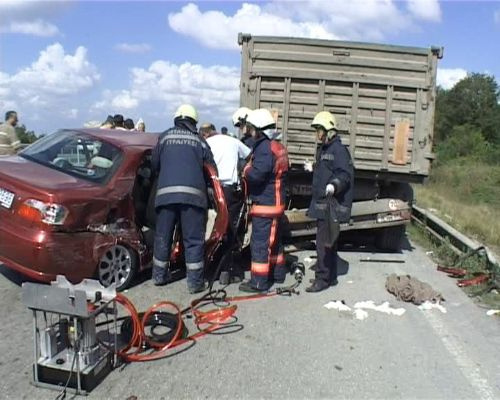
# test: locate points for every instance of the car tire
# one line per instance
(117, 259)
(390, 239)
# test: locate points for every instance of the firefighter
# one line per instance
(333, 182)
(181, 195)
(239, 119)
(9, 141)
(265, 175)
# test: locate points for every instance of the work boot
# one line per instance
(317, 286)
(334, 282)
(198, 289)
(161, 275)
(247, 287)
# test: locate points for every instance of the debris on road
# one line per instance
(409, 289)
(491, 313)
(384, 307)
(453, 272)
(337, 305)
(473, 281)
(429, 306)
(382, 260)
(360, 314)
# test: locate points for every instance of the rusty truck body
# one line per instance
(383, 97)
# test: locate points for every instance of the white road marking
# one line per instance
(469, 369)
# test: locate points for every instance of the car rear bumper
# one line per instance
(41, 255)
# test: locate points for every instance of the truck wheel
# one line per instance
(118, 261)
(390, 239)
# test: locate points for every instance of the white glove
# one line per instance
(308, 166)
(330, 190)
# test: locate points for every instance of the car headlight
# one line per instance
(48, 213)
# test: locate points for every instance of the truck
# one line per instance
(383, 98)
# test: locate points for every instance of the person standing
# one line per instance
(228, 152)
(118, 119)
(239, 121)
(333, 181)
(9, 141)
(265, 175)
(181, 195)
(141, 126)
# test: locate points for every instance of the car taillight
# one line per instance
(48, 213)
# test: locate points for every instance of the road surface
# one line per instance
(294, 348)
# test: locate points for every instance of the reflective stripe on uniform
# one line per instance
(158, 263)
(260, 268)
(5, 145)
(267, 211)
(180, 137)
(180, 189)
(194, 266)
(4, 133)
(278, 260)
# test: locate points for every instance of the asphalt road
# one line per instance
(294, 348)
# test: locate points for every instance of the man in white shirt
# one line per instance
(227, 152)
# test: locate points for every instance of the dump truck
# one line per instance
(383, 97)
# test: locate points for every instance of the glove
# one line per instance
(308, 166)
(330, 190)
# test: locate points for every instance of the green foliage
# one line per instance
(24, 135)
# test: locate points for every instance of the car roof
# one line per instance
(121, 138)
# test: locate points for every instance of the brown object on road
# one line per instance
(409, 289)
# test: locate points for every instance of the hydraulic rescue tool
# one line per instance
(69, 352)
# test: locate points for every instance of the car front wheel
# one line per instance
(118, 265)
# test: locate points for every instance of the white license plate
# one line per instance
(6, 198)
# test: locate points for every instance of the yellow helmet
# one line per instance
(325, 119)
(261, 119)
(187, 111)
(240, 115)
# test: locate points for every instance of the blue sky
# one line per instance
(65, 63)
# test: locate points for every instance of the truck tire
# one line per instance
(390, 239)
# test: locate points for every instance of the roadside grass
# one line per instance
(465, 194)
(442, 254)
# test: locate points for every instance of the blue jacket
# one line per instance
(333, 166)
(178, 160)
(263, 187)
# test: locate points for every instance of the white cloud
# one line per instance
(448, 77)
(221, 31)
(353, 20)
(428, 10)
(50, 85)
(36, 28)
(30, 17)
(155, 92)
(133, 47)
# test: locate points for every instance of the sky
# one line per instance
(65, 63)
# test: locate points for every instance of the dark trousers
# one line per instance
(193, 222)
(234, 201)
(268, 260)
(326, 266)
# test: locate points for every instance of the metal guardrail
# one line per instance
(458, 242)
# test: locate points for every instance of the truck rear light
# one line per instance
(48, 213)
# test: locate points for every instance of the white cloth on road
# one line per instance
(227, 151)
(384, 307)
(428, 305)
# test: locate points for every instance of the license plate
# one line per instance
(6, 198)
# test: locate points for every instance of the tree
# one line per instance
(24, 135)
(473, 101)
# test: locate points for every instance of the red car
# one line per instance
(77, 203)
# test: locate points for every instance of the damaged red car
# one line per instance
(78, 203)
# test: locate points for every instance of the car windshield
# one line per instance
(77, 154)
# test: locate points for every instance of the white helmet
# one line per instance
(240, 115)
(261, 119)
(187, 111)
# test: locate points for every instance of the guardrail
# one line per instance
(458, 242)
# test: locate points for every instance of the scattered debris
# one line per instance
(429, 306)
(473, 281)
(383, 260)
(309, 260)
(350, 282)
(384, 307)
(453, 272)
(429, 253)
(409, 289)
(337, 305)
(360, 314)
(338, 368)
(490, 313)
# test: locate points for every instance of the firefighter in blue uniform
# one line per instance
(181, 195)
(265, 175)
(333, 181)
